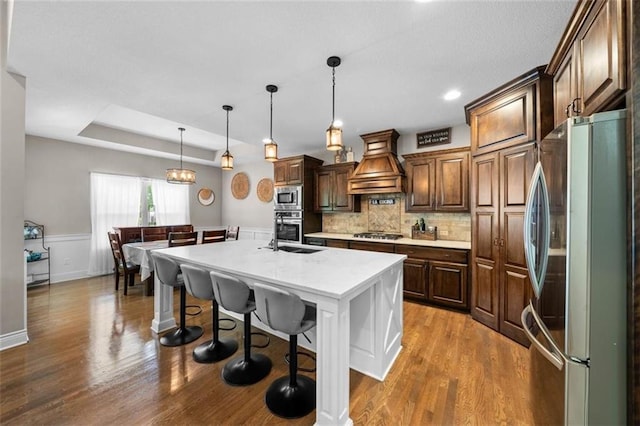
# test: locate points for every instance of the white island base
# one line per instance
(358, 295)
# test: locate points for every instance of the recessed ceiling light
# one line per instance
(451, 95)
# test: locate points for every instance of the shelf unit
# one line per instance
(36, 274)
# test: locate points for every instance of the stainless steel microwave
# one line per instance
(288, 198)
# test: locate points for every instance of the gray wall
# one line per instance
(57, 183)
(12, 290)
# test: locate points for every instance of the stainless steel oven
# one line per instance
(288, 198)
(289, 225)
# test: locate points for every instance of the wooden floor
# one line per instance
(92, 359)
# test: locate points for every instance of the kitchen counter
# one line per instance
(358, 296)
(462, 245)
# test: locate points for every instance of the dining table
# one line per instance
(139, 254)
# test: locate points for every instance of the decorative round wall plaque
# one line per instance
(206, 197)
(265, 190)
(240, 186)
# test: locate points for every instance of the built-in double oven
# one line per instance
(289, 225)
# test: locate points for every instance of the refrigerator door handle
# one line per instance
(555, 355)
(537, 182)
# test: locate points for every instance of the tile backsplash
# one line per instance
(392, 218)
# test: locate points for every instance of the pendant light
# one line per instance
(270, 146)
(227, 158)
(334, 133)
(181, 175)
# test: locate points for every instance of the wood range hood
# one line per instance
(379, 171)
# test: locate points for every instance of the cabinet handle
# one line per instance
(501, 243)
(575, 106)
(495, 241)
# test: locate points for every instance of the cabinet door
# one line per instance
(323, 184)
(564, 89)
(602, 56)
(341, 200)
(485, 238)
(338, 243)
(415, 275)
(514, 287)
(280, 173)
(421, 186)
(452, 180)
(295, 172)
(448, 284)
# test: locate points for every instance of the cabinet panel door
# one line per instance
(341, 200)
(415, 275)
(421, 191)
(448, 284)
(280, 173)
(295, 172)
(322, 199)
(485, 254)
(452, 177)
(602, 57)
(515, 293)
(564, 89)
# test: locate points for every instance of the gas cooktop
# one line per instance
(377, 235)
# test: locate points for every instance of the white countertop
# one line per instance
(330, 272)
(462, 245)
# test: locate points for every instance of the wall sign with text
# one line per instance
(434, 137)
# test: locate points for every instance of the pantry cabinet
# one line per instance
(589, 66)
(438, 181)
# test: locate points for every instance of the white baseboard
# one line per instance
(13, 339)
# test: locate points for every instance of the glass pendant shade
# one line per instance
(226, 161)
(271, 151)
(181, 175)
(334, 138)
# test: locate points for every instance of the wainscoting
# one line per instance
(70, 253)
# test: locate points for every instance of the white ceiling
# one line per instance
(126, 74)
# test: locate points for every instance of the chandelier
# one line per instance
(334, 132)
(181, 175)
(270, 146)
(227, 158)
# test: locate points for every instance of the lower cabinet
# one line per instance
(448, 284)
(415, 278)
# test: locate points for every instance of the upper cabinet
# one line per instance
(438, 181)
(331, 184)
(518, 112)
(288, 171)
(589, 65)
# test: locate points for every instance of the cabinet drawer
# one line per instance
(381, 247)
(432, 253)
(338, 244)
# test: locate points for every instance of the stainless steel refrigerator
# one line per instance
(576, 248)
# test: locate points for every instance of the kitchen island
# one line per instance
(358, 296)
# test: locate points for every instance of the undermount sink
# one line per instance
(301, 250)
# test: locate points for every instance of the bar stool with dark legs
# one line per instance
(234, 295)
(168, 272)
(198, 284)
(289, 396)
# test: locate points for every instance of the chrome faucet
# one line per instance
(277, 215)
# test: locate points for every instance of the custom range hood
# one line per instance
(379, 171)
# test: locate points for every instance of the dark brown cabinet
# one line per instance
(499, 275)
(589, 65)
(288, 171)
(436, 275)
(331, 184)
(518, 112)
(438, 181)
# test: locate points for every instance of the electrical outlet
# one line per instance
(67, 261)
(444, 233)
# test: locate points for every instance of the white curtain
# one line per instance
(115, 201)
(171, 202)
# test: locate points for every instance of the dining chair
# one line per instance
(214, 236)
(129, 270)
(155, 233)
(233, 232)
(181, 228)
(182, 238)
